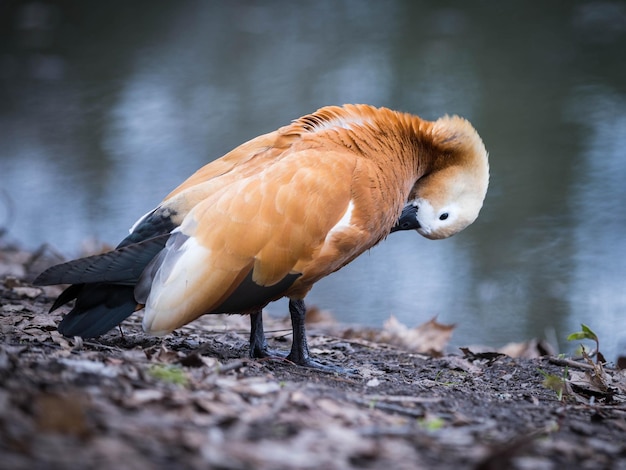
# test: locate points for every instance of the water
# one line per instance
(106, 106)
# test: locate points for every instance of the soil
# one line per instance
(194, 400)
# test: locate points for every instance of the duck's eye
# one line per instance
(443, 216)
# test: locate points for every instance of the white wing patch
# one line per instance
(174, 294)
(343, 223)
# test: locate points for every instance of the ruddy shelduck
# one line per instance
(275, 215)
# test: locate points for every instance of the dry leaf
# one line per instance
(28, 292)
(256, 386)
(89, 367)
(531, 349)
(316, 315)
(12, 308)
(431, 337)
(373, 383)
(65, 414)
(140, 397)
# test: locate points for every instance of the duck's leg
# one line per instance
(299, 348)
(258, 343)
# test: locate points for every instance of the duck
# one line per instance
(275, 215)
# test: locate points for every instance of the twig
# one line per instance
(414, 413)
(396, 431)
(100, 345)
(402, 399)
(570, 363)
(231, 366)
(368, 343)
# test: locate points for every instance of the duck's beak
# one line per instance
(407, 220)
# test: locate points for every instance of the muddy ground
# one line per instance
(194, 400)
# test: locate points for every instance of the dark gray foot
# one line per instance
(258, 344)
(299, 353)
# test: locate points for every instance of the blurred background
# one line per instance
(107, 106)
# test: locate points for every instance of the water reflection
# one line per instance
(596, 290)
(104, 109)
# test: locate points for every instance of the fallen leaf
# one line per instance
(373, 383)
(166, 355)
(43, 321)
(589, 383)
(531, 349)
(316, 315)
(431, 337)
(12, 308)
(28, 292)
(455, 362)
(256, 386)
(65, 414)
(86, 366)
(139, 397)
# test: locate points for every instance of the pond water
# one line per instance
(106, 106)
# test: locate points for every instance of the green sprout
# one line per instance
(587, 333)
(558, 384)
(431, 423)
(168, 373)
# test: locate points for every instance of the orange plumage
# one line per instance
(280, 212)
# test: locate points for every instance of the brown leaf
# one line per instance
(431, 337)
(43, 321)
(12, 308)
(65, 414)
(531, 349)
(316, 315)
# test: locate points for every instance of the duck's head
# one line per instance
(450, 195)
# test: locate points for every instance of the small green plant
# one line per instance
(431, 423)
(587, 333)
(556, 383)
(168, 373)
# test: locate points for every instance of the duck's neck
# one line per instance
(400, 144)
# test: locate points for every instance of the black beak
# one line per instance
(407, 220)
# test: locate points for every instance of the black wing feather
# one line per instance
(67, 295)
(99, 308)
(121, 266)
(103, 285)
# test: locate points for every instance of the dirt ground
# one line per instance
(194, 399)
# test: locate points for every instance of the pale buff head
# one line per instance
(449, 197)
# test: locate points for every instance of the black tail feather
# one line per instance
(103, 286)
(67, 295)
(121, 266)
(99, 308)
